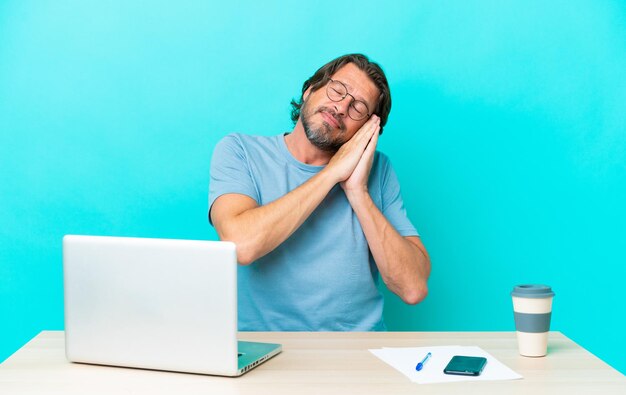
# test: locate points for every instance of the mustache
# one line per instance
(334, 115)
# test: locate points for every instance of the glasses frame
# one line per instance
(351, 105)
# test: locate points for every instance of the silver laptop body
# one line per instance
(155, 304)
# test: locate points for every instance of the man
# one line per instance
(316, 214)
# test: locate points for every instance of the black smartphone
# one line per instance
(465, 366)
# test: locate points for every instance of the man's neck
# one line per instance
(301, 148)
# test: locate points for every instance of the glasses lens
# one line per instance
(336, 91)
(358, 110)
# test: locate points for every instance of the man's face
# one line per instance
(326, 123)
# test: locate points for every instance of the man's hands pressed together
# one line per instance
(351, 165)
(357, 182)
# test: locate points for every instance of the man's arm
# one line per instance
(403, 262)
(257, 230)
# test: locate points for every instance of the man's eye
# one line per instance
(359, 108)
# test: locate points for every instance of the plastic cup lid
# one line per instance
(532, 291)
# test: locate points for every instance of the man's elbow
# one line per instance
(246, 253)
(244, 257)
(415, 295)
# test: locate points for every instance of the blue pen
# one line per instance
(420, 365)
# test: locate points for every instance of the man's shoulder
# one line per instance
(248, 142)
(247, 138)
(382, 170)
(381, 161)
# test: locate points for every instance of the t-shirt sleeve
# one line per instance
(230, 171)
(393, 205)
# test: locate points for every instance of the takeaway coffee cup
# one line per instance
(532, 306)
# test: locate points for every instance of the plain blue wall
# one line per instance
(507, 132)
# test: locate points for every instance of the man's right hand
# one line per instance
(343, 163)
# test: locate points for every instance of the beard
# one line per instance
(321, 136)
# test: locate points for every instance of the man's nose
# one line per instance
(342, 106)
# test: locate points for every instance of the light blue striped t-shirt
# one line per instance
(323, 277)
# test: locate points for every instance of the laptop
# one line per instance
(155, 304)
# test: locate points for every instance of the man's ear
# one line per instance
(306, 93)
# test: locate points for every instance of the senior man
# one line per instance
(316, 213)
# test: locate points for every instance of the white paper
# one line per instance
(405, 360)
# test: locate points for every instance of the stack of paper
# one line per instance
(405, 360)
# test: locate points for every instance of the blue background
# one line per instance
(507, 133)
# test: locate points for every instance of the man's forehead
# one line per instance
(358, 82)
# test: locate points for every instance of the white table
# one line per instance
(318, 363)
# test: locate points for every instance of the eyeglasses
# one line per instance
(337, 91)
